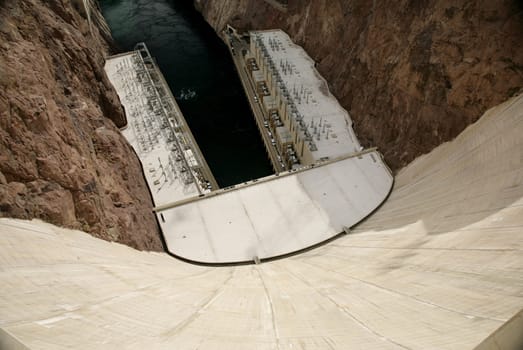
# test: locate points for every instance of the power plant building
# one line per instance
(305, 116)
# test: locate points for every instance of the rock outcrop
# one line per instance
(412, 74)
(62, 158)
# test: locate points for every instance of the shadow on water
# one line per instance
(201, 74)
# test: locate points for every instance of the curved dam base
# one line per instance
(438, 266)
(277, 215)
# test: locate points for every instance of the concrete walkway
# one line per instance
(439, 266)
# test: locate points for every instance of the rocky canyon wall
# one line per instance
(412, 74)
(62, 158)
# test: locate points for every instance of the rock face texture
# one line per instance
(62, 158)
(412, 74)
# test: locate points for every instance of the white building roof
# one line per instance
(438, 266)
(310, 94)
(165, 173)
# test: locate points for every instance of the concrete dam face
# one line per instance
(331, 251)
(438, 266)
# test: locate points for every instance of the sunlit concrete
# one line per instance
(438, 266)
(280, 214)
(508, 336)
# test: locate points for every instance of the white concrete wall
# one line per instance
(438, 266)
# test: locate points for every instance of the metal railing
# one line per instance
(96, 17)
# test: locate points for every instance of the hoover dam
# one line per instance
(438, 266)
(333, 251)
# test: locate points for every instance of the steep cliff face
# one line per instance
(62, 158)
(412, 74)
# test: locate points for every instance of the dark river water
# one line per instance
(201, 74)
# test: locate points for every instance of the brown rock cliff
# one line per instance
(62, 158)
(412, 74)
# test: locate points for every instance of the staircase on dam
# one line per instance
(438, 266)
